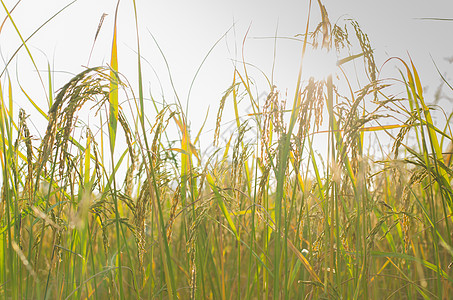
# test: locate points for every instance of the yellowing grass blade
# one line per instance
(427, 113)
(304, 261)
(10, 97)
(383, 127)
(186, 147)
(113, 96)
(227, 148)
(87, 160)
(178, 150)
(2, 117)
(194, 151)
(407, 257)
(34, 104)
(364, 129)
(417, 91)
(350, 58)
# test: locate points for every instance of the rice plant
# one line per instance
(114, 207)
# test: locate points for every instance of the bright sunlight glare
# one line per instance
(319, 63)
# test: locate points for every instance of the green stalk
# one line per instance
(113, 121)
(283, 153)
(164, 247)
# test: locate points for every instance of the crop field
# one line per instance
(116, 196)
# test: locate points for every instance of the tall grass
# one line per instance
(115, 209)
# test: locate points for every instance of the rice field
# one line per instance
(104, 202)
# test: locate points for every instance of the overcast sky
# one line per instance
(186, 30)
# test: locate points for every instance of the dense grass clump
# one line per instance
(116, 208)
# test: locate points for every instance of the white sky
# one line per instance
(186, 30)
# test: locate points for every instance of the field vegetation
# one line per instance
(115, 207)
